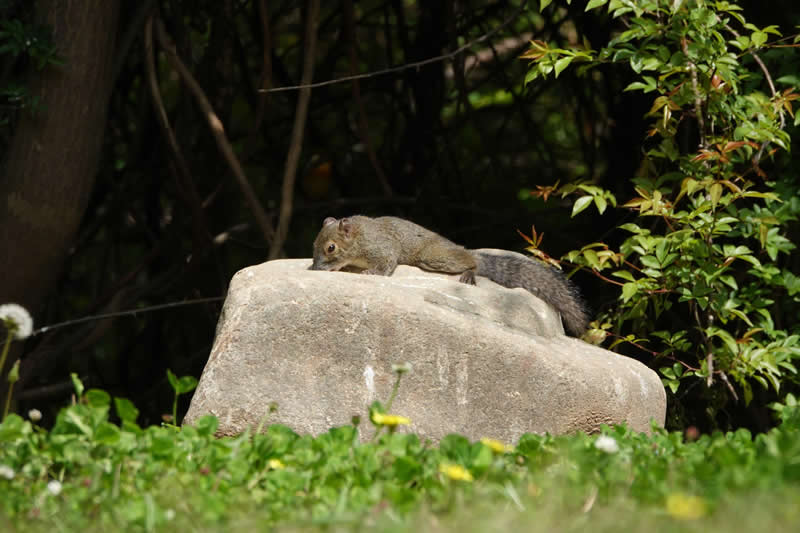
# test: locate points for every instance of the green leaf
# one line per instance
(624, 274)
(126, 411)
(673, 384)
(592, 4)
(661, 251)
(98, 398)
(716, 193)
(601, 204)
(581, 204)
(592, 258)
(629, 290)
(173, 380)
(647, 86)
(758, 38)
(543, 4)
(186, 384)
(77, 384)
(107, 433)
(14, 427)
(741, 315)
(207, 425)
(73, 416)
(562, 63)
(650, 262)
(633, 228)
(162, 444)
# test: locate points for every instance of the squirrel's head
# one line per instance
(332, 245)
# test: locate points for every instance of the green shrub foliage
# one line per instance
(706, 292)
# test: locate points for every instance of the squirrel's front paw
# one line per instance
(468, 277)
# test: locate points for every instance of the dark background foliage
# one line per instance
(450, 145)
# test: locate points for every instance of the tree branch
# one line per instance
(266, 65)
(184, 178)
(218, 131)
(301, 111)
(363, 125)
(698, 103)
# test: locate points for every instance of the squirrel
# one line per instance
(378, 245)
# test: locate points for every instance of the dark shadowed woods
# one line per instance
(151, 149)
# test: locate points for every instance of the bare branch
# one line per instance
(301, 111)
(407, 66)
(266, 64)
(161, 112)
(363, 125)
(218, 131)
(184, 178)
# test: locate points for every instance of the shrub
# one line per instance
(705, 289)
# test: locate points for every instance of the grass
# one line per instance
(88, 473)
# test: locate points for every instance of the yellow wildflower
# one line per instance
(496, 446)
(685, 507)
(275, 464)
(383, 419)
(456, 472)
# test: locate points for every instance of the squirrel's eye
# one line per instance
(331, 248)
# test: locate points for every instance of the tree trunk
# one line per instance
(53, 157)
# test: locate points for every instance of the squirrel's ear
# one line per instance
(345, 226)
(328, 221)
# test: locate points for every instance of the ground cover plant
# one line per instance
(96, 469)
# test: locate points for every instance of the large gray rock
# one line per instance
(486, 361)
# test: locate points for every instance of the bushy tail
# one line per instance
(511, 270)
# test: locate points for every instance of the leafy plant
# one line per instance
(89, 473)
(702, 275)
(180, 386)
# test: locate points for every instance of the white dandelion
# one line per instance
(606, 444)
(54, 487)
(17, 319)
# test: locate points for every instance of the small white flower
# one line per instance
(6, 472)
(17, 319)
(606, 444)
(169, 514)
(35, 415)
(54, 487)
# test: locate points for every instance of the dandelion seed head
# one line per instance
(17, 319)
(606, 444)
(6, 472)
(54, 487)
